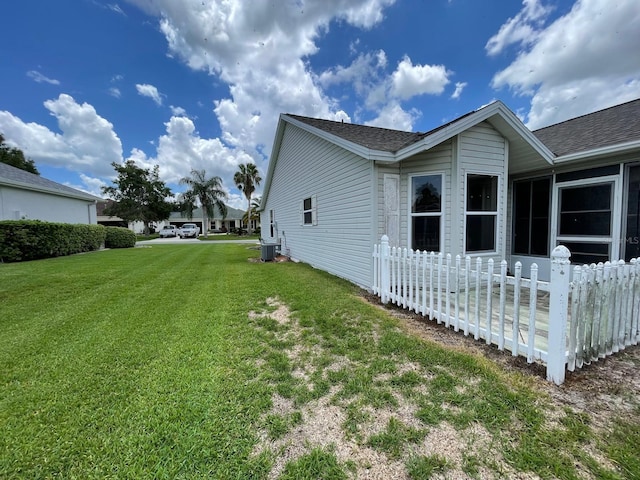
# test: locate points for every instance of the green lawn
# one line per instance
(189, 361)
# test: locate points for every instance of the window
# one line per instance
(481, 213)
(585, 214)
(272, 227)
(426, 212)
(531, 207)
(309, 211)
(632, 232)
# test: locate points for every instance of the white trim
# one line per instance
(440, 214)
(602, 151)
(616, 209)
(313, 211)
(479, 253)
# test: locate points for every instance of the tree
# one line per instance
(255, 205)
(207, 192)
(14, 157)
(247, 178)
(138, 194)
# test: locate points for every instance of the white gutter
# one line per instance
(600, 152)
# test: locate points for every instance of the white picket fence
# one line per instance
(565, 324)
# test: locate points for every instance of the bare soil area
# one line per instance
(608, 387)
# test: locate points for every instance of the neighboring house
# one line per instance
(107, 220)
(233, 219)
(24, 195)
(481, 185)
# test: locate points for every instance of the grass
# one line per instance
(146, 363)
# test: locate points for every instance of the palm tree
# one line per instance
(207, 192)
(255, 205)
(247, 178)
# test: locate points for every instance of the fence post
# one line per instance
(384, 269)
(558, 312)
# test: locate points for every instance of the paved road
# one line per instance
(182, 241)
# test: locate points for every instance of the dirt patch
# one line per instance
(606, 388)
(602, 390)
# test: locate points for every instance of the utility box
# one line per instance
(269, 251)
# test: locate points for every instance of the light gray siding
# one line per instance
(18, 203)
(340, 240)
(437, 160)
(483, 150)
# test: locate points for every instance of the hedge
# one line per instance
(22, 240)
(119, 237)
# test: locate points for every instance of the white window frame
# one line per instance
(313, 211)
(483, 213)
(616, 209)
(272, 224)
(425, 214)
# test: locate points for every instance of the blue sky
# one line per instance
(200, 84)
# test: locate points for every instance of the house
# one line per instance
(232, 220)
(24, 195)
(481, 185)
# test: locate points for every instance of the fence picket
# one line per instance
(476, 333)
(533, 303)
(467, 274)
(503, 301)
(515, 330)
(489, 338)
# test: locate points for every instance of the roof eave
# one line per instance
(617, 149)
(272, 161)
(35, 188)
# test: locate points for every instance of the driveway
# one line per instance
(182, 241)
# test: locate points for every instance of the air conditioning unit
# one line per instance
(269, 251)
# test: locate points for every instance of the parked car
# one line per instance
(168, 231)
(189, 230)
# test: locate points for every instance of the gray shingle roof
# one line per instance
(611, 126)
(375, 138)
(16, 177)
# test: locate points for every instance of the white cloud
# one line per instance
(178, 111)
(523, 28)
(87, 142)
(115, 92)
(395, 117)
(460, 86)
(410, 80)
(182, 149)
(90, 185)
(150, 91)
(40, 78)
(114, 7)
(583, 61)
(259, 49)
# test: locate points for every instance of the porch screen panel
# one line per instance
(531, 217)
(426, 212)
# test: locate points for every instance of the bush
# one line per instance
(22, 240)
(119, 237)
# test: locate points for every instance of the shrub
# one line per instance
(119, 237)
(33, 239)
